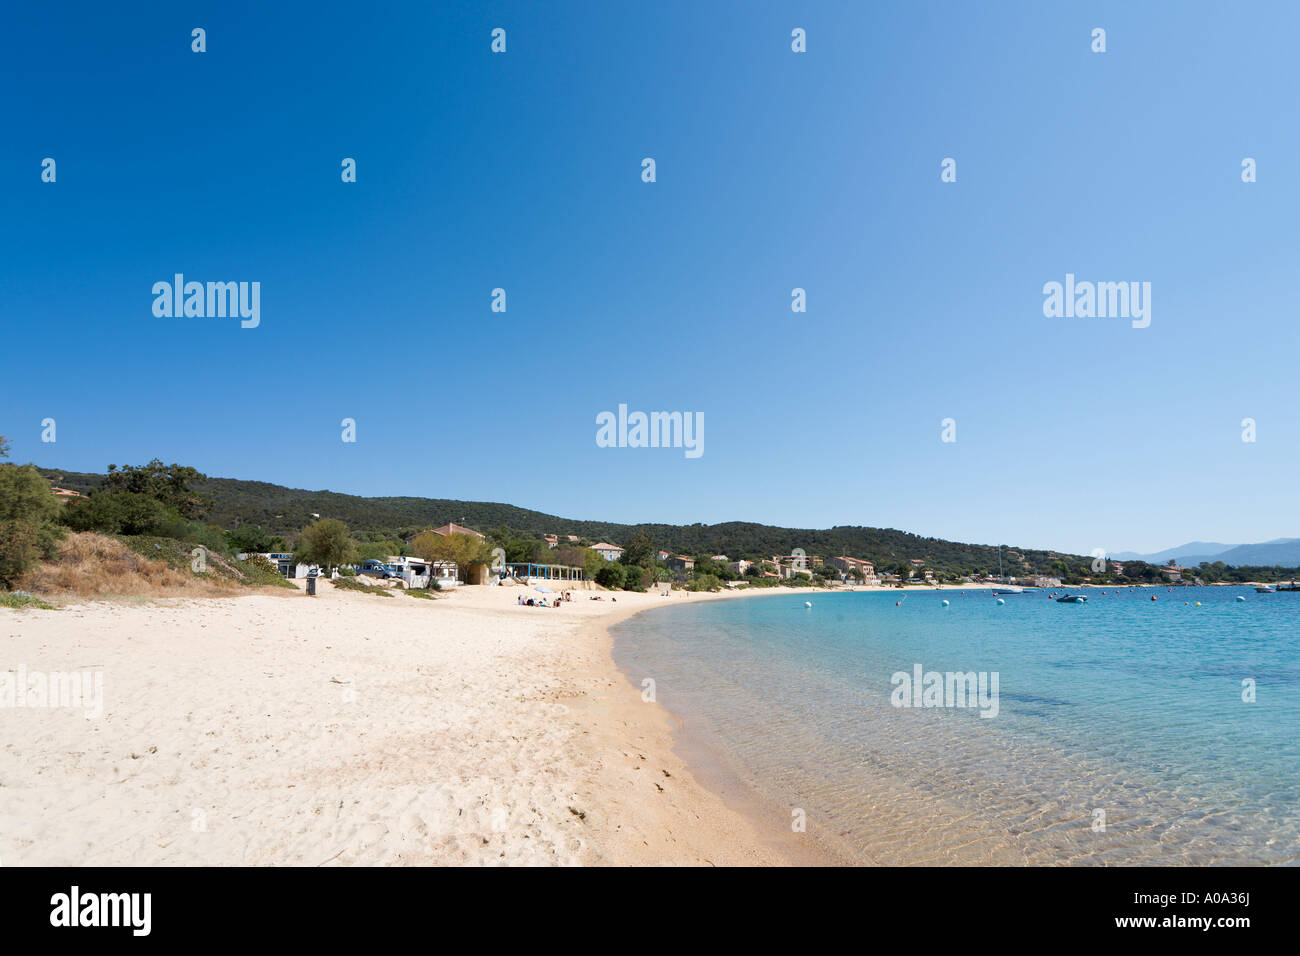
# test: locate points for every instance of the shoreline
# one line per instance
(734, 829)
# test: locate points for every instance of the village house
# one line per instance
(680, 562)
(797, 562)
(551, 540)
(453, 528)
(865, 569)
(610, 552)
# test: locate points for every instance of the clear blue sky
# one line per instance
(775, 170)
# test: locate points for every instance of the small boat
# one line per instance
(1072, 599)
(1005, 588)
(1265, 589)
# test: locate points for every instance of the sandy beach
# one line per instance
(354, 729)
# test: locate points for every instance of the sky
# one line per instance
(774, 170)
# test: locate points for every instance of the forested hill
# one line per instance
(285, 511)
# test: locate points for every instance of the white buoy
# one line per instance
(1000, 601)
(945, 603)
(807, 603)
(1240, 598)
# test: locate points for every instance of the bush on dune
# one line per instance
(28, 510)
(125, 512)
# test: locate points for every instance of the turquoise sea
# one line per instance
(1121, 734)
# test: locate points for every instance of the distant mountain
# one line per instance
(1283, 552)
(1280, 552)
(1178, 553)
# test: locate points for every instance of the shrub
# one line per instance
(704, 582)
(261, 563)
(251, 539)
(19, 599)
(126, 512)
(347, 584)
(28, 510)
(633, 578)
(610, 576)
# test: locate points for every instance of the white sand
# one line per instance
(352, 729)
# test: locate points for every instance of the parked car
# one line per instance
(377, 569)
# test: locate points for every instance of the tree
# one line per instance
(639, 550)
(463, 550)
(124, 512)
(167, 483)
(592, 562)
(325, 542)
(250, 539)
(28, 510)
(521, 548)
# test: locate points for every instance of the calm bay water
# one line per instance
(1121, 735)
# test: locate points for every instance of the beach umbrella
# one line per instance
(544, 589)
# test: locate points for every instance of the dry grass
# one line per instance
(95, 566)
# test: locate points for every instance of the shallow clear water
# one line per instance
(1123, 705)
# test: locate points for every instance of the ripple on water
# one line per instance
(1145, 753)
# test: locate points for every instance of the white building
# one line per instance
(610, 552)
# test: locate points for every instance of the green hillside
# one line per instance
(285, 511)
